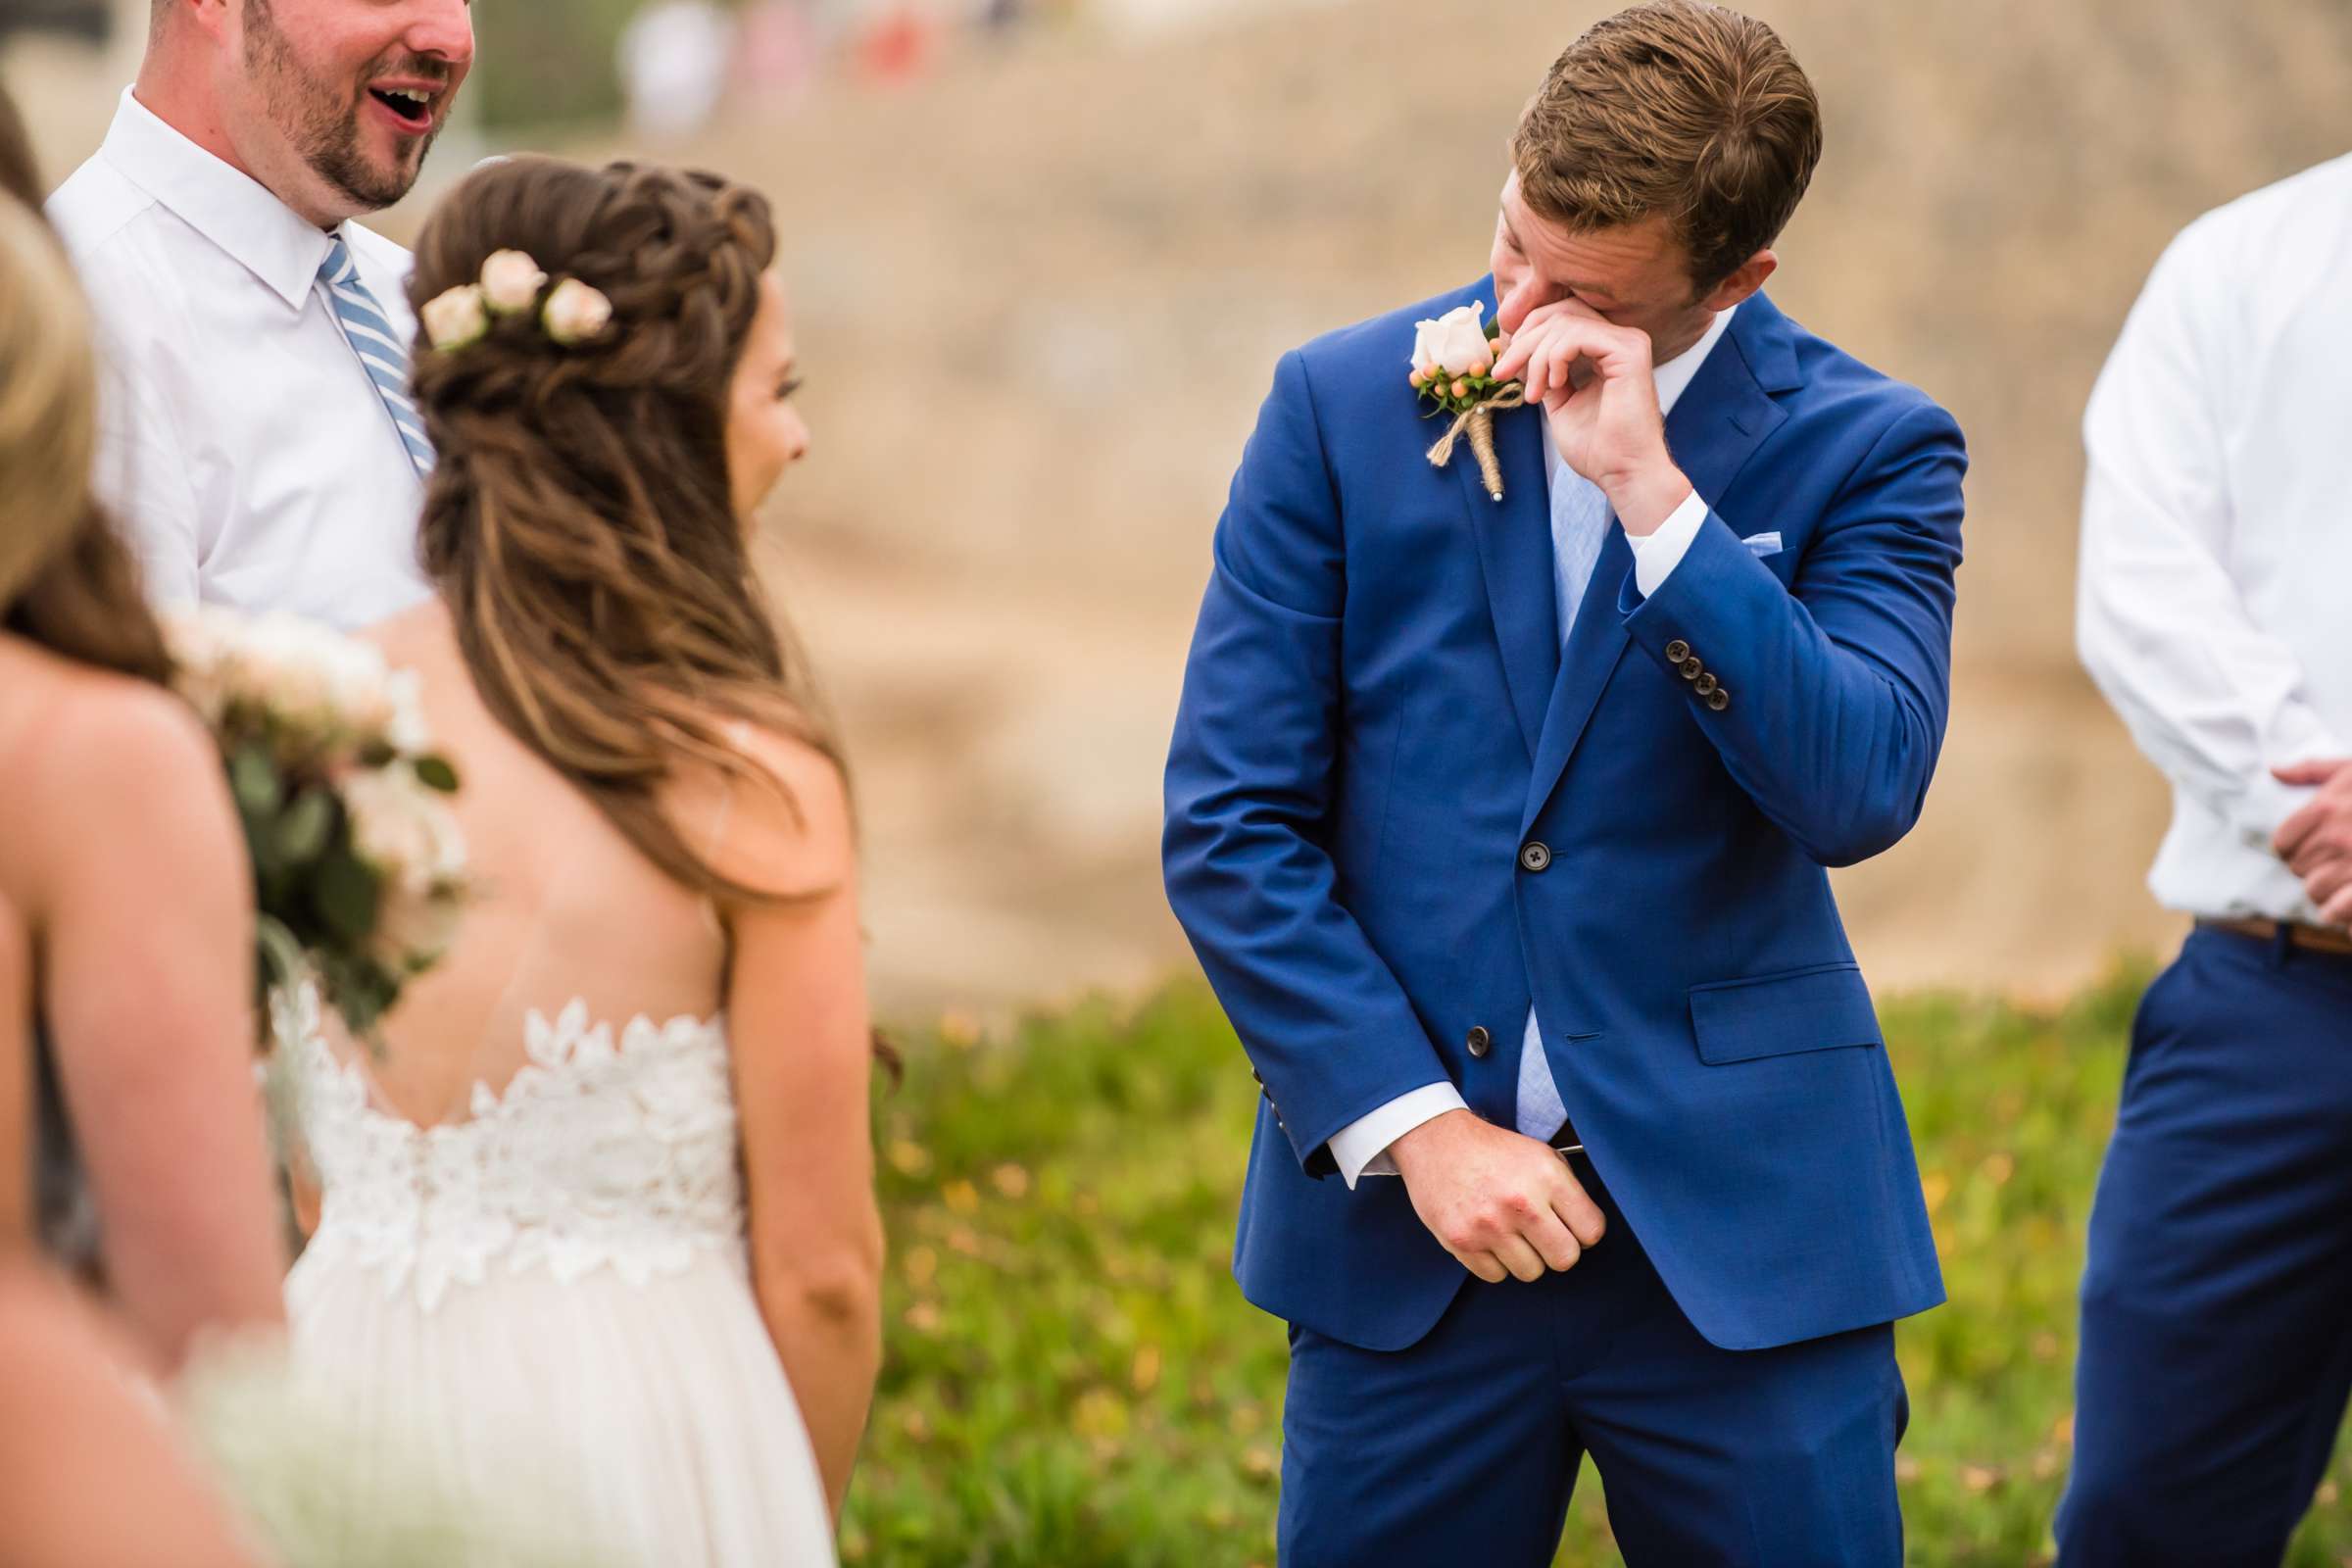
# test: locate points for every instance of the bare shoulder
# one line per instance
(129, 740)
(790, 827)
(90, 747)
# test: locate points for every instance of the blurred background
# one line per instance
(1045, 252)
(1043, 255)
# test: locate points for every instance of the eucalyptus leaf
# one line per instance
(436, 773)
(347, 892)
(303, 830)
(253, 780)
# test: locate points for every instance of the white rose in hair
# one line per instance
(1454, 342)
(575, 313)
(511, 282)
(456, 318)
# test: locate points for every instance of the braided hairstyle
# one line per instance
(579, 521)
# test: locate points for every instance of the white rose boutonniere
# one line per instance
(1452, 365)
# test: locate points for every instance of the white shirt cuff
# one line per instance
(1361, 1147)
(1656, 556)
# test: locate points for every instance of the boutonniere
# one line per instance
(1454, 361)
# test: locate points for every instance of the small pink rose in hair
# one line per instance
(511, 282)
(575, 313)
(456, 318)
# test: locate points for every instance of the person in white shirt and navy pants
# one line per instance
(2216, 613)
(260, 448)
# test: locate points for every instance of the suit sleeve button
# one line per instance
(1480, 1042)
(1677, 651)
(1693, 668)
(1706, 685)
(1719, 699)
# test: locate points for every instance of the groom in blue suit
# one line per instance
(1502, 828)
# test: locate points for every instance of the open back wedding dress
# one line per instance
(530, 1261)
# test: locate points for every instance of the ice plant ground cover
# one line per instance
(1074, 1380)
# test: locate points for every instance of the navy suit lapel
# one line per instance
(1514, 550)
(1723, 415)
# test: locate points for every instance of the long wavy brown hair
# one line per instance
(580, 523)
(66, 581)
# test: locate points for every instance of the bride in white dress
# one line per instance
(595, 1215)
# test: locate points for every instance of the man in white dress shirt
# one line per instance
(260, 448)
(2216, 613)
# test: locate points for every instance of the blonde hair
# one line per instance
(48, 401)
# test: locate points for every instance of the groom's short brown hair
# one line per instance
(1679, 109)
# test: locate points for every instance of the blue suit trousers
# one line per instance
(1464, 1447)
(2217, 1296)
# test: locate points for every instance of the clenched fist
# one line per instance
(1501, 1203)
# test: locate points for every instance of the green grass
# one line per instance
(1074, 1378)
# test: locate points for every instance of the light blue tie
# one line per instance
(1580, 527)
(381, 353)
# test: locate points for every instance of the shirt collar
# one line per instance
(1676, 375)
(233, 209)
(1674, 378)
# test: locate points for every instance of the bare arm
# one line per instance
(797, 1010)
(89, 1475)
(146, 979)
(15, 1081)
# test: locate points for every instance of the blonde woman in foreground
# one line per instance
(89, 1476)
(122, 858)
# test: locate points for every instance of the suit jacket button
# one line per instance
(1706, 684)
(1480, 1042)
(1535, 855)
(1677, 651)
(1719, 698)
(1693, 668)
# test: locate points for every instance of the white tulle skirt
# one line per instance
(652, 1416)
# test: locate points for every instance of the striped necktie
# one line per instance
(381, 353)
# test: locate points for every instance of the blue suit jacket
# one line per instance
(1378, 716)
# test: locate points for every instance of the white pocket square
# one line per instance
(1763, 544)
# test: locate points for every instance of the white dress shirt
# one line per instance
(2215, 604)
(249, 460)
(1361, 1147)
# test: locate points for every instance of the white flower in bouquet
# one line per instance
(405, 832)
(406, 731)
(358, 866)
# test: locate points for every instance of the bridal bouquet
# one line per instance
(359, 869)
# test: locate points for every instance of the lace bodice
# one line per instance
(604, 1151)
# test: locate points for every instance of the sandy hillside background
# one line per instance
(1041, 296)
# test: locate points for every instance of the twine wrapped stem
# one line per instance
(1478, 423)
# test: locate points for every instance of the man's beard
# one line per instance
(325, 132)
